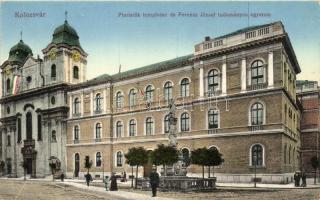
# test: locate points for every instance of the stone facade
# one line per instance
(114, 113)
(309, 97)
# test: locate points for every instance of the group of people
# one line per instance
(154, 181)
(300, 176)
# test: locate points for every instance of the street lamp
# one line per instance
(102, 170)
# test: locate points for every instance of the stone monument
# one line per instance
(179, 168)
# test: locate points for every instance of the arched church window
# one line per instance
(29, 126)
(75, 72)
(8, 85)
(53, 72)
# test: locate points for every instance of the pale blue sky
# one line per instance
(135, 42)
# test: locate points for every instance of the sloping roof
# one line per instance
(157, 67)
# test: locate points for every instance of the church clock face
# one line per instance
(53, 54)
(8, 71)
(75, 56)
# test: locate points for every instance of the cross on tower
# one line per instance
(66, 15)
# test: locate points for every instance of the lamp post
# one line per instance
(255, 167)
(102, 170)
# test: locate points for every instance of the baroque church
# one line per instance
(33, 104)
(235, 93)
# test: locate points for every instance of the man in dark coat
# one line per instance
(304, 180)
(88, 178)
(154, 181)
(296, 179)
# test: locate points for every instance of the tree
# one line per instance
(53, 167)
(315, 163)
(164, 155)
(136, 156)
(24, 165)
(199, 157)
(87, 163)
(213, 158)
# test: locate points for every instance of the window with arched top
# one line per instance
(285, 154)
(76, 106)
(186, 156)
(29, 126)
(149, 93)
(119, 129)
(76, 132)
(53, 72)
(213, 81)
(149, 126)
(98, 159)
(184, 91)
(257, 72)
(168, 90)
(132, 127)
(8, 84)
(166, 124)
(132, 97)
(75, 72)
(185, 122)
(119, 100)
(213, 118)
(98, 102)
(98, 130)
(257, 155)
(257, 114)
(119, 159)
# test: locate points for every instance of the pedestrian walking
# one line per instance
(88, 178)
(304, 180)
(125, 176)
(296, 179)
(113, 185)
(62, 177)
(154, 181)
(106, 183)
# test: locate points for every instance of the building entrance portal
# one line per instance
(29, 165)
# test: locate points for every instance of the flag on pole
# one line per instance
(15, 85)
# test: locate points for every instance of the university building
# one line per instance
(235, 93)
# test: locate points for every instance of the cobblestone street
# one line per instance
(31, 190)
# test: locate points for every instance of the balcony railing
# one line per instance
(256, 128)
(76, 115)
(29, 143)
(212, 131)
(98, 111)
(75, 141)
(257, 86)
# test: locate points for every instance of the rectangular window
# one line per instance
(39, 128)
(19, 130)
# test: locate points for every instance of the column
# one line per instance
(243, 75)
(105, 100)
(224, 78)
(70, 106)
(201, 88)
(91, 102)
(270, 69)
(81, 103)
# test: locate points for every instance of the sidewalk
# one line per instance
(119, 193)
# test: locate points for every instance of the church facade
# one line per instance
(235, 93)
(34, 106)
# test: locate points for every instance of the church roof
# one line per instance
(19, 52)
(66, 34)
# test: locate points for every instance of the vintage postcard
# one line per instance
(166, 99)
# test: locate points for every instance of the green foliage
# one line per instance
(87, 163)
(199, 156)
(213, 157)
(164, 155)
(315, 162)
(136, 156)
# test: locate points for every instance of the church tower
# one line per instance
(64, 58)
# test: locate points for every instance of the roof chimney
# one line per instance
(207, 38)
